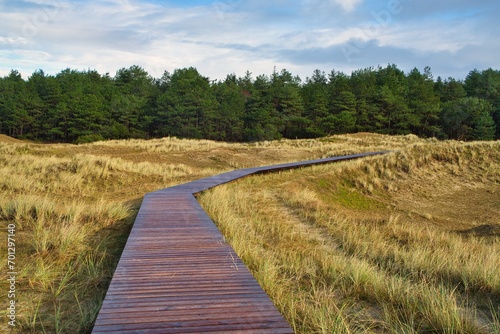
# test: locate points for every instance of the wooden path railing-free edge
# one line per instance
(177, 275)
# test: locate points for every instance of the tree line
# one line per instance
(83, 106)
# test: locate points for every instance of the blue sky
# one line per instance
(232, 36)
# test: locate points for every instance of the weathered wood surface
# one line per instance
(177, 275)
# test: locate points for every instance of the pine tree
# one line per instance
(423, 103)
(468, 119)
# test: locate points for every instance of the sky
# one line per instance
(224, 37)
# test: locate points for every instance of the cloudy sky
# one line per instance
(232, 36)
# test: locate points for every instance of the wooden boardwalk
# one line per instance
(177, 275)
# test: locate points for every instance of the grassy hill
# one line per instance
(7, 139)
(407, 242)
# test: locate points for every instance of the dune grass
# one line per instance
(74, 205)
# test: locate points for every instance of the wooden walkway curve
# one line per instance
(177, 275)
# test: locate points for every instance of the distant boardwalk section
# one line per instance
(177, 275)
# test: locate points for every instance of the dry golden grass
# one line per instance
(7, 139)
(370, 246)
(73, 206)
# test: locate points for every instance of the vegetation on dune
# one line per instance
(370, 246)
(85, 106)
(73, 206)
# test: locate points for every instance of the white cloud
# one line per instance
(425, 39)
(11, 40)
(348, 5)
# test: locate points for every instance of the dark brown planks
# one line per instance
(177, 275)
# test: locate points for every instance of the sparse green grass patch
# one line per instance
(351, 198)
